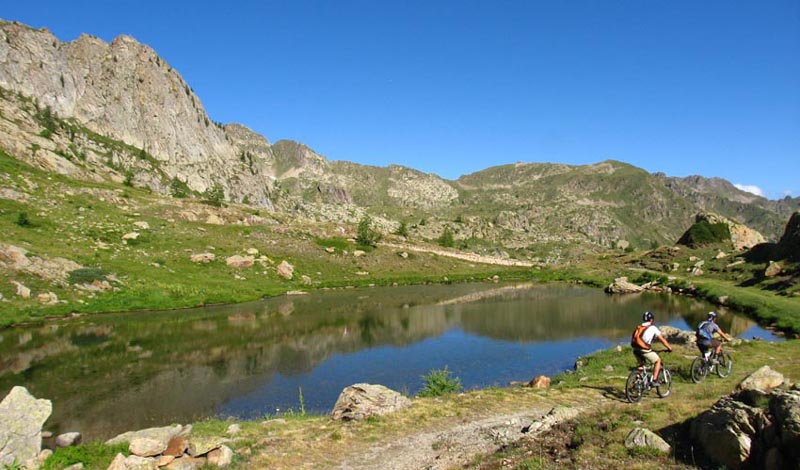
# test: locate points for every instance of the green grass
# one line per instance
(93, 455)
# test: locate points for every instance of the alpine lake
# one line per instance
(106, 374)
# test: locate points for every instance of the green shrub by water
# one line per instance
(439, 382)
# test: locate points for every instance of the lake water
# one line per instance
(107, 374)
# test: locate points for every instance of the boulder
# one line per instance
(132, 462)
(130, 236)
(621, 285)
(221, 457)
(147, 447)
(162, 434)
(763, 380)
(240, 262)
(785, 408)
(541, 381)
(285, 270)
(360, 401)
(48, 298)
(22, 291)
(200, 446)
(186, 463)
(676, 336)
(203, 258)
(773, 269)
(641, 437)
(68, 439)
(176, 446)
(21, 420)
(727, 431)
(141, 224)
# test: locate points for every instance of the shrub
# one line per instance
(438, 382)
(446, 238)
(92, 455)
(402, 230)
(178, 188)
(214, 195)
(86, 275)
(367, 236)
(23, 220)
(704, 233)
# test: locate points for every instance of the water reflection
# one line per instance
(108, 374)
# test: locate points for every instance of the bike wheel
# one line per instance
(664, 384)
(725, 365)
(699, 370)
(634, 387)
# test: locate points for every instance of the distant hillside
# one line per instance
(99, 112)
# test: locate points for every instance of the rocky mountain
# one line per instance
(97, 112)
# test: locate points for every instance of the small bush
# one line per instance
(438, 382)
(87, 275)
(23, 220)
(402, 230)
(178, 188)
(446, 238)
(367, 236)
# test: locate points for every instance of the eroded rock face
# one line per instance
(360, 401)
(21, 420)
(727, 430)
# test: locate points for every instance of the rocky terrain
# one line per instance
(118, 112)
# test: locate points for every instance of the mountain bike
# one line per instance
(640, 381)
(721, 363)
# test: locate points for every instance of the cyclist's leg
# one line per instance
(653, 358)
(717, 345)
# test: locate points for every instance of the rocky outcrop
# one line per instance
(621, 285)
(742, 237)
(360, 401)
(55, 270)
(170, 447)
(739, 431)
(21, 420)
(789, 244)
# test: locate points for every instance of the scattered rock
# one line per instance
(359, 253)
(214, 219)
(68, 439)
(130, 236)
(306, 280)
(221, 457)
(132, 462)
(233, 429)
(199, 447)
(677, 336)
(555, 416)
(252, 251)
(539, 382)
(203, 257)
(240, 262)
(21, 420)
(163, 434)
(773, 269)
(608, 368)
(49, 298)
(763, 380)
(641, 437)
(721, 255)
(403, 254)
(22, 291)
(330, 249)
(360, 401)
(141, 224)
(147, 447)
(621, 285)
(176, 446)
(285, 270)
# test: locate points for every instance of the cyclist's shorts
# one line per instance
(643, 355)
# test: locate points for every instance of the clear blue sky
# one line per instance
(451, 87)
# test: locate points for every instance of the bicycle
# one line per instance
(640, 381)
(721, 363)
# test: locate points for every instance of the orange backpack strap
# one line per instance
(636, 338)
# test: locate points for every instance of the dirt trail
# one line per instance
(458, 442)
(462, 256)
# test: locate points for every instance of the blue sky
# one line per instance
(451, 87)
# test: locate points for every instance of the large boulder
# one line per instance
(360, 401)
(162, 434)
(785, 408)
(641, 437)
(21, 420)
(727, 432)
(762, 380)
(621, 285)
(676, 336)
(285, 270)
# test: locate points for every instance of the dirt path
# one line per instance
(459, 255)
(458, 442)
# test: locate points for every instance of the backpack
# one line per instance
(702, 332)
(636, 338)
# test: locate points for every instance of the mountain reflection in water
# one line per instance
(112, 373)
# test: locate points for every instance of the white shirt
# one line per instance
(651, 332)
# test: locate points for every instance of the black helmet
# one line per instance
(712, 315)
(648, 316)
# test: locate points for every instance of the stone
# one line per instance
(252, 251)
(403, 255)
(130, 236)
(676, 336)
(75, 466)
(621, 285)
(233, 429)
(147, 447)
(48, 298)
(221, 457)
(359, 253)
(141, 224)
(214, 219)
(556, 415)
(285, 270)
(176, 446)
(21, 420)
(541, 381)
(240, 262)
(773, 269)
(200, 446)
(763, 380)
(186, 463)
(726, 432)
(68, 439)
(306, 280)
(203, 258)
(330, 249)
(22, 291)
(608, 368)
(163, 433)
(360, 401)
(642, 437)
(785, 408)
(132, 462)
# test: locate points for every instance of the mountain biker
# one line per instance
(705, 335)
(641, 340)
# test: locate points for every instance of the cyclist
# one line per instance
(705, 336)
(641, 340)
